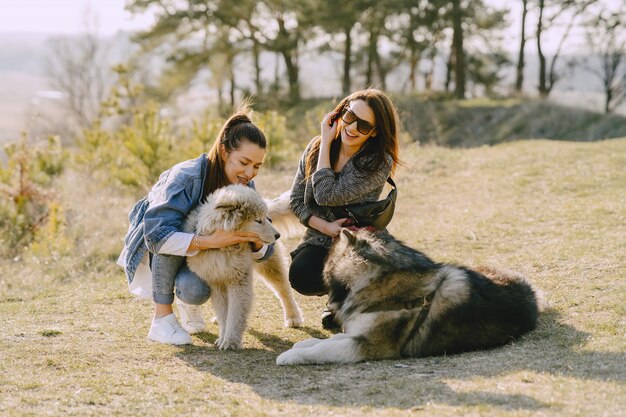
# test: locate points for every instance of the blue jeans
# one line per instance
(169, 271)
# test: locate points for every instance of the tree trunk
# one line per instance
(543, 90)
(519, 81)
(220, 100)
(289, 50)
(347, 61)
(459, 55)
(610, 64)
(414, 56)
(430, 75)
(382, 73)
(231, 74)
(276, 84)
(413, 60)
(372, 51)
(449, 69)
(256, 54)
(292, 76)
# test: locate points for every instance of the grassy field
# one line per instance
(74, 341)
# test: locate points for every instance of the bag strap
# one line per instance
(394, 191)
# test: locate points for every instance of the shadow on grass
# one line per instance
(554, 349)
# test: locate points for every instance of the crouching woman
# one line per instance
(155, 247)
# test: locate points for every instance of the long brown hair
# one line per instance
(385, 141)
(238, 127)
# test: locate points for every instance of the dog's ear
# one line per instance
(225, 207)
(231, 215)
(348, 235)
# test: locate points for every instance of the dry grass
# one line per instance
(74, 341)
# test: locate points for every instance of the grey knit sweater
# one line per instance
(327, 188)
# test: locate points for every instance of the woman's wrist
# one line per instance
(318, 224)
(196, 243)
(200, 243)
(323, 157)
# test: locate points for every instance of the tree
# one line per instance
(417, 32)
(340, 20)
(457, 47)
(606, 37)
(284, 31)
(240, 16)
(550, 11)
(78, 68)
(200, 28)
(483, 69)
(519, 77)
(381, 22)
(196, 35)
(475, 23)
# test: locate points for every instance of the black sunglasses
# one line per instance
(362, 126)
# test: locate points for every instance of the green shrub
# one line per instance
(274, 126)
(27, 199)
(201, 136)
(133, 155)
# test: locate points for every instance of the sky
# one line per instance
(69, 16)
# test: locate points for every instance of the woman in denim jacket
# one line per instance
(155, 239)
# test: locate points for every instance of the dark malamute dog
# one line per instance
(396, 302)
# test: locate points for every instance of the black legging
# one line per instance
(306, 271)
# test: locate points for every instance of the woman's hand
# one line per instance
(256, 245)
(331, 229)
(328, 132)
(223, 238)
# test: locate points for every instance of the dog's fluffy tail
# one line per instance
(498, 274)
(283, 219)
(542, 302)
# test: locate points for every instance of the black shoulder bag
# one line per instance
(376, 214)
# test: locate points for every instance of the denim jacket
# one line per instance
(162, 212)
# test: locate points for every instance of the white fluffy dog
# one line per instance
(228, 271)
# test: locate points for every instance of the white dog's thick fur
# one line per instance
(228, 271)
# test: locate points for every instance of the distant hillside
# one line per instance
(472, 123)
(479, 122)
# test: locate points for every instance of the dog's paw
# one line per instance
(294, 321)
(306, 343)
(228, 344)
(290, 357)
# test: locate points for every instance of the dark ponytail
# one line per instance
(238, 127)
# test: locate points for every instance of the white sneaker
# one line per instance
(167, 330)
(191, 317)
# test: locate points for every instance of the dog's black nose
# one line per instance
(277, 236)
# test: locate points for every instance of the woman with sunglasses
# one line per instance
(349, 162)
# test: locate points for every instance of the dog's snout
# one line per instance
(277, 235)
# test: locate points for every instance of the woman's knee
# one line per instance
(305, 276)
(190, 288)
(164, 269)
